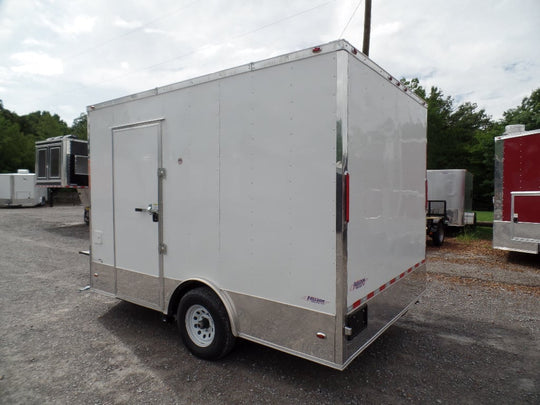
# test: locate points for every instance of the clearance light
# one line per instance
(317, 49)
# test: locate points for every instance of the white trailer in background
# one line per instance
(516, 215)
(19, 189)
(282, 202)
(455, 187)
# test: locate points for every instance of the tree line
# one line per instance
(462, 137)
(458, 137)
(19, 133)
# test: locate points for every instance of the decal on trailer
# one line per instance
(315, 300)
(373, 293)
(358, 284)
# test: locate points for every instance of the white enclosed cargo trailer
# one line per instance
(19, 189)
(516, 215)
(455, 187)
(282, 202)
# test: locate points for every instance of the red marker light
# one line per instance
(316, 49)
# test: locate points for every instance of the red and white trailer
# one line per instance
(516, 224)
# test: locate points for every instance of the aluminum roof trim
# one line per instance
(330, 47)
(517, 134)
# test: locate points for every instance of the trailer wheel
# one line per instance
(204, 324)
(438, 235)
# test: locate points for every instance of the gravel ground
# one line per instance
(473, 338)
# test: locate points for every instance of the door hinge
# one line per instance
(162, 248)
(161, 173)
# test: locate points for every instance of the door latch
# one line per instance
(151, 210)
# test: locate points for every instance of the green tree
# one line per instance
(527, 113)
(79, 127)
(42, 125)
(18, 135)
(16, 149)
(459, 138)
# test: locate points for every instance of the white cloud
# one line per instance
(37, 63)
(120, 22)
(387, 29)
(77, 25)
(484, 51)
(32, 42)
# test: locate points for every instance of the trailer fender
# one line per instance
(188, 285)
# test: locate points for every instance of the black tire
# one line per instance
(438, 235)
(204, 324)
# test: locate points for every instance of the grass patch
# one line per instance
(484, 216)
(469, 234)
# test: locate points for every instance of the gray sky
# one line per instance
(62, 55)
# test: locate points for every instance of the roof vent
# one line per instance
(23, 171)
(510, 129)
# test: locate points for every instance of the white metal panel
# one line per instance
(20, 189)
(5, 186)
(101, 196)
(386, 162)
(135, 156)
(277, 183)
(453, 186)
(25, 188)
(191, 187)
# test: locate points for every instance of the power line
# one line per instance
(150, 67)
(238, 36)
(198, 49)
(125, 34)
(350, 19)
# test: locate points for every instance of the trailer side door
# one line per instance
(136, 160)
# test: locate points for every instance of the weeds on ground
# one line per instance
(484, 216)
(469, 234)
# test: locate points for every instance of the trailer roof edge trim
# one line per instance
(517, 134)
(333, 46)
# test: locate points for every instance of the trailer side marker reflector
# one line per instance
(357, 303)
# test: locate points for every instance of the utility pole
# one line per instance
(367, 28)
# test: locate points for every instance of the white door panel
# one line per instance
(136, 161)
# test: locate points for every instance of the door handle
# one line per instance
(149, 210)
